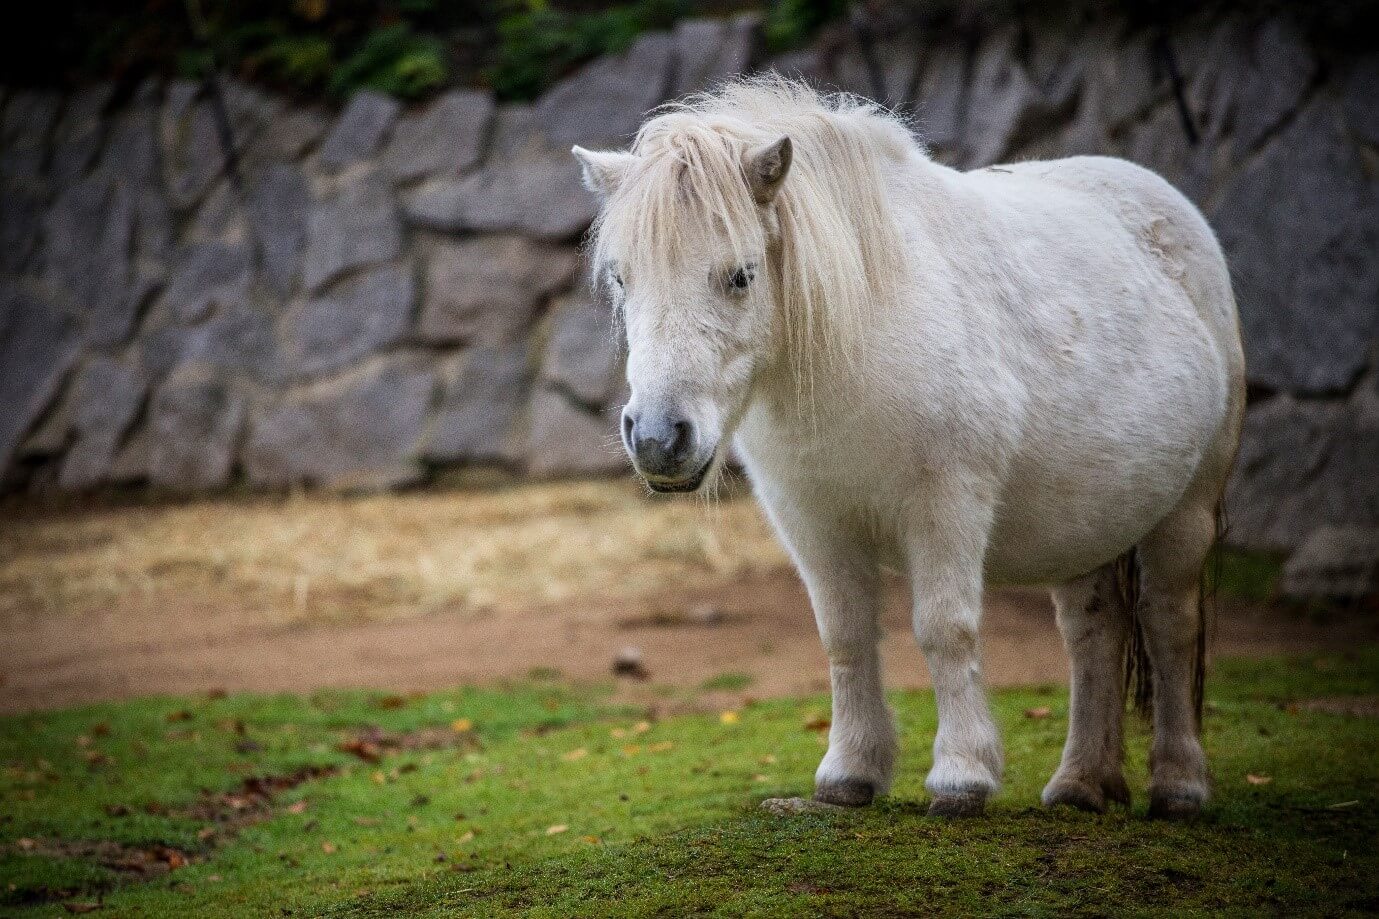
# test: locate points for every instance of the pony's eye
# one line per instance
(617, 279)
(741, 278)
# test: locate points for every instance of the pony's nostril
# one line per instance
(627, 428)
(679, 439)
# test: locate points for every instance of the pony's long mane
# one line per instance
(839, 247)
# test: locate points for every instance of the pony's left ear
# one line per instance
(766, 167)
(603, 171)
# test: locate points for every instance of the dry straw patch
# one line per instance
(318, 557)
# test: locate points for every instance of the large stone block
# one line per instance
(489, 288)
(1252, 79)
(1305, 464)
(444, 139)
(531, 185)
(604, 102)
(78, 137)
(195, 423)
(568, 440)
(25, 132)
(1334, 563)
(106, 398)
(277, 206)
(484, 397)
(237, 341)
(206, 276)
(360, 129)
(353, 226)
(22, 208)
(361, 431)
(194, 153)
(131, 148)
(583, 357)
(709, 51)
(38, 346)
(1300, 226)
(91, 231)
(1005, 107)
(361, 314)
(1360, 99)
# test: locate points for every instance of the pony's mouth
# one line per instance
(680, 486)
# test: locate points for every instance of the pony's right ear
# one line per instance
(603, 171)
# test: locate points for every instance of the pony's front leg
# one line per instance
(946, 552)
(839, 570)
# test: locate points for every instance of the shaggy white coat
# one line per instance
(1010, 375)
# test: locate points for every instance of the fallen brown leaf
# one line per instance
(80, 907)
(556, 829)
(328, 848)
(1258, 779)
(1038, 712)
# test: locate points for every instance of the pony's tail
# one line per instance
(1138, 669)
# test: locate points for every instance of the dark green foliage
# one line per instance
(791, 23)
(538, 43)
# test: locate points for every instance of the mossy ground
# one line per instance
(541, 798)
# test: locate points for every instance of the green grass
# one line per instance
(555, 803)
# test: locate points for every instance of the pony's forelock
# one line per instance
(839, 246)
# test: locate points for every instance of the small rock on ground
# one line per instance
(786, 807)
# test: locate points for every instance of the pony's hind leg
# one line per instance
(1171, 618)
(1096, 625)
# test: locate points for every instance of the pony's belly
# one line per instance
(1047, 532)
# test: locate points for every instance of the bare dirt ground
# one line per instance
(425, 590)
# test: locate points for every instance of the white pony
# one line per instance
(1021, 374)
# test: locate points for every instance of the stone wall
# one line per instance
(365, 298)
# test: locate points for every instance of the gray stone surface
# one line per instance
(360, 432)
(25, 131)
(566, 440)
(37, 348)
(360, 315)
(206, 276)
(1304, 464)
(483, 400)
(1253, 79)
(194, 427)
(444, 139)
(131, 148)
(106, 398)
(1300, 226)
(306, 295)
(1361, 98)
(708, 51)
(530, 185)
(360, 129)
(583, 357)
(90, 245)
(193, 153)
(1334, 563)
(237, 341)
(78, 136)
(488, 288)
(1004, 106)
(603, 103)
(354, 225)
(277, 206)
(21, 220)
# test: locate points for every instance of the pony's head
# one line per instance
(724, 231)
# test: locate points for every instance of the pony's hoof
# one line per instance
(964, 804)
(1174, 805)
(1078, 795)
(1086, 795)
(845, 793)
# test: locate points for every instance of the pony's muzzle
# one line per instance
(663, 448)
